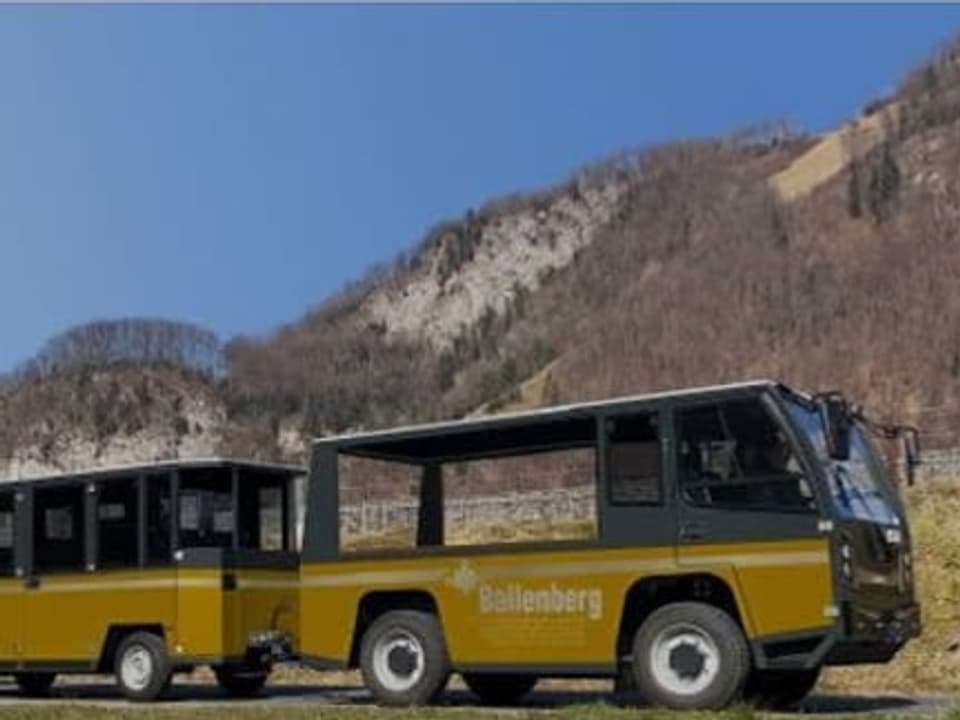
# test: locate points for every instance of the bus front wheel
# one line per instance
(690, 656)
(142, 667)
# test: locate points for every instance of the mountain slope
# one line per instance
(828, 262)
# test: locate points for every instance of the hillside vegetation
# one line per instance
(830, 262)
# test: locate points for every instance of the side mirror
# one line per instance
(835, 413)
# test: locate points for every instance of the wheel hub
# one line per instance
(402, 661)
(684, 659)
(136, 668)
(399, 660)
(687, 661)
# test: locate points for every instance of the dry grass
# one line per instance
(828, 157)
(480, 535)
(595, 711)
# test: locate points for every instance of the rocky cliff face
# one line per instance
(481, 265)
(107, 418)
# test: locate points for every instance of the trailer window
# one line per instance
(159, 518)
(6, 533)
(735, 456)
(117, 520)
(206, 508)
(263, 511)
(58, 522)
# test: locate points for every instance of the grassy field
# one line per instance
(573, 712)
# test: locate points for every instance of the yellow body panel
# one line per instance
(561, 606)
(67, 617)
(11, 608)
(201, 621)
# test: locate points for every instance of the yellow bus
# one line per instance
(744, 536)
(145, 571)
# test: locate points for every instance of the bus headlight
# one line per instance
(846, 561)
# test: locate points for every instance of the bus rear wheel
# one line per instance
(34, 684)
(142, 667)
(690, 656)
(779, 689)
(403, 658)
(238, 682)
(499, 688)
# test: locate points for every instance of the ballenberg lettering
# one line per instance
(515, 599)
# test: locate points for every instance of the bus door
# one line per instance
(56, 622)
(747, 510)
(11, 582)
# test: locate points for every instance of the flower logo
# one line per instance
(464, 578)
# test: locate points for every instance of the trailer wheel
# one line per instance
(690, 656)
(238, 682)
(34, 684)
(499, 688)
(142, 667)
(403, 658)
(779, 689)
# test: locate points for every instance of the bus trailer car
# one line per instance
(745, 536)
(149, 570)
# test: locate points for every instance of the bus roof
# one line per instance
(541, 429)
(160, 466)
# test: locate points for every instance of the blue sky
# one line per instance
(232, 166)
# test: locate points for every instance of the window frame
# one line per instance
(95, 490)
(772, 413)
(15, 566)
(604, 448)
(33, 528)
(148, 480)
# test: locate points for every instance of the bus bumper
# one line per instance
(872, 636)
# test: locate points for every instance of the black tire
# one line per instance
(690, 639)
(146, 653)
(35, 684)
(403, 658)
(499, 688)
(779, 689)
(240, 682)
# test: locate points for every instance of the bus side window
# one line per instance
(159, 518)
(6, 534)
(263, 511)
(58, 529)
(633, 460)
(735, 456)
(206, 508)
(117, 520)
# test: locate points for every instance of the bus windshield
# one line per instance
(859, 486)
